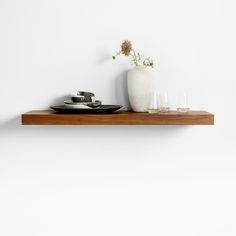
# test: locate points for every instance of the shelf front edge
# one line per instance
(122, 118)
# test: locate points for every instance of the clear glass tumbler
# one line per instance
(164, 103)
(153, 103)
(183, 103)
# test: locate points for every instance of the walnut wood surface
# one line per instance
(49, 117)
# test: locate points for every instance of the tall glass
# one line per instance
(183, 103)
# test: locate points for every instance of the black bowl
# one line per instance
(81, 99)
(94, 104)
(85, 94)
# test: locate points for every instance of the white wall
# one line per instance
(116, 180)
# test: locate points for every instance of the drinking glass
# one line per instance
(153, 106)
(164, 103)
(183, 103)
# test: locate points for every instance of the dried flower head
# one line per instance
(136, 59)
(126, 47)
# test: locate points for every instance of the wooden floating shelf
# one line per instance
(50, 117)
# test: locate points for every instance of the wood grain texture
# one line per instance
(49, 117)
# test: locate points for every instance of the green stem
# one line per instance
(134, 58)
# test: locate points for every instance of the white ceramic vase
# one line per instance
(140, 85)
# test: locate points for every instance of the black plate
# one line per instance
(101, 109)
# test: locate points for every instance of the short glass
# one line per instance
(164, 103)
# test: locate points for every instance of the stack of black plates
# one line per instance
(84, 102)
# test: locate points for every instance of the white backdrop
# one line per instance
(73, 180)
